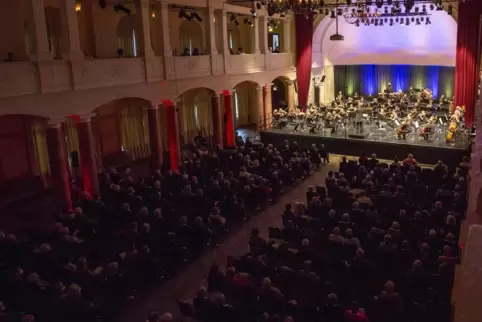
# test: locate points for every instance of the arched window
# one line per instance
(54, 31)
(191, 36)
(126, 36)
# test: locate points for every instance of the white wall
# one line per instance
(400, 44)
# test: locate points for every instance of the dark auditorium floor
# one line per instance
(186, 284)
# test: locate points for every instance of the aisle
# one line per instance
(185, 285)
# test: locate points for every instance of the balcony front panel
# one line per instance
(279, 61)
(108, 72)
(245, 64)
(192, 66)
(18, 78)
(55, 76)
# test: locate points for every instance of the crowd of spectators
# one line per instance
(139, 231)
(378, 242)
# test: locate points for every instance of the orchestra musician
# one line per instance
(404, 129)
(429, 128)
(359, 120)
(389, 88)
(339, 97)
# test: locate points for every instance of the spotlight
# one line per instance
(248, 22)
(357, 23)
(427, 21)
(340, 12)
(234, 20)
(413, 19)
(432, 7)
(183, 13)
(449, 10)
(332, 16)
(417, 21)
(421, 18)
(78, 6)
(391, 22)
(396, 20)
(121, 8)
(407, 22)
(254, 14)
(386, 10)
(424, 9)
(195, 15)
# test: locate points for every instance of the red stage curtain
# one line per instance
(228, 111)
(304, 37)
(172, 134)
(467, 59)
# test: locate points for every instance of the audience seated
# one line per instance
(388, 260)
(141, 231)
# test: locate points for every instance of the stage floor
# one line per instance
(383, 143)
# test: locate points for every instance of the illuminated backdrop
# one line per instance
(397, 45)
(419, 56)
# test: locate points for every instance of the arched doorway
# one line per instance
(190, 38)
(195, 114)
(24, 162)
(245, 103)
(279, 94)
(120, 130)
(127, 44)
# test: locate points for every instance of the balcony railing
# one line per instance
(192, 66)
(25, 78)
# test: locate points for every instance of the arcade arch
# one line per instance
(196, 114)
(245, 103)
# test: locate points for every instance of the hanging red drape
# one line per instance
(172, 140)
(228, 113)
(304, 37)
(467, 58)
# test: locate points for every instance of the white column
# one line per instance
(42, 51)
(212, 32)
(287, 36)
(256, 35)
(142, 9)
(166, 42)
(70, 32)
(170, 72)
(263, 34)
(226, 53)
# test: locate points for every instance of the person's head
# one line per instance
(28, 318)
(417, 264)
(389, 287)
(166, 317)
(305, 242)
(74, 291)
(202, 292)
(374, 156)
(359, 253)
(266, 282)
(288, 207)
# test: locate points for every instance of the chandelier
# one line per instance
(356, 11)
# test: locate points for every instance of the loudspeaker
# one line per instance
(74, 159)
(323, 78)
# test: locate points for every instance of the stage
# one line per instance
(425, 152)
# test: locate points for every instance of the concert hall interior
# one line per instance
(240, 160)
(391, 79)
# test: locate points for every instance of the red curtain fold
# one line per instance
(304, 38)
(228, 111)
(467, 58)
(172, 134)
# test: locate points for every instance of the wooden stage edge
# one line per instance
(385, 150)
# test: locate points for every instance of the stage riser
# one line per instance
(351, 147)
